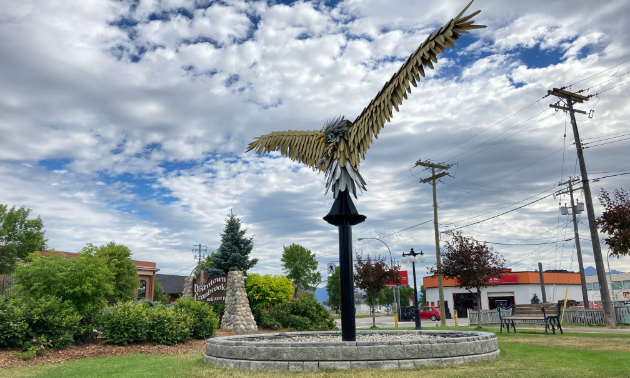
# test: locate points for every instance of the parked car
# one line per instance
(429, 312)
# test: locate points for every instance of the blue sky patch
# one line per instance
(54, 165)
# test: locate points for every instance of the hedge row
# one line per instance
(304, 314)
(161, 324)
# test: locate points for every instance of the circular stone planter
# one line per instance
(277, 351)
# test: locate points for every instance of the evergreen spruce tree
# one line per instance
(535, 299)
(233, 254)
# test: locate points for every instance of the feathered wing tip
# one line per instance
(340, 178)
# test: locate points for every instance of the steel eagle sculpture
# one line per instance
(336, 149)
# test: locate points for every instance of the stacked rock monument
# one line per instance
(237, 315)
(188, 287)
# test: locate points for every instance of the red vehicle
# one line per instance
(429, 312)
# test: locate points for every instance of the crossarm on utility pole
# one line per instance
(566, 109)
(435, 177)
(432, 165)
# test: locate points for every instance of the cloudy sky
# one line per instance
(128, 121)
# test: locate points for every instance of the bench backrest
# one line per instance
(535, 309)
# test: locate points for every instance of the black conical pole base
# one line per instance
(344, 215)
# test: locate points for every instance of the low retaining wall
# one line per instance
(449, 347)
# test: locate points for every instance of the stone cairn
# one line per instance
(237, 315)
(188, 288)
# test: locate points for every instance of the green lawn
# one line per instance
(527, 354)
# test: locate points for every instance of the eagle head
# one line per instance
(333, 130)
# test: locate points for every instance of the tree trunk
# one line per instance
(373, 316)
(478, 308)
(295, 292)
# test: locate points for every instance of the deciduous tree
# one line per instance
(158, 292)
(119, 262)
(615, 221)
(371, 275)
(300, 266)
(333, 288)
(471, 262)
(233, 254)
(84, 280)
(19, 236)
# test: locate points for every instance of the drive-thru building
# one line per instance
(512, 288)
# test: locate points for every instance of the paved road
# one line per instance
(388, 322)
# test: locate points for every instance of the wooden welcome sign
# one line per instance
(209, 289)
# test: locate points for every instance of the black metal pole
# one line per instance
(415, 298)
(344, 215)
(348, 325)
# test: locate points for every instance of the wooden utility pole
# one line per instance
(571, 98)
(574, 210)
(199, 249)
(438, 260)
(542, 283)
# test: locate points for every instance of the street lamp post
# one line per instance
(390, 252)
(395, 287)
(413, 260)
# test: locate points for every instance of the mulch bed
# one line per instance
(99, 349)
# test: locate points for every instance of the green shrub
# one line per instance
(218, 309)
(169, 325)
(84, 281)
(13, 326)
(125, 322)
(268, 290)
(205, 322)
(158, 292)
(301, 315)
(34, 348)
(48, 318)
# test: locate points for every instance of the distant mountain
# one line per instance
(321, 294)
(590, 271)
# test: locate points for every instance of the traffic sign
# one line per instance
(331, 268)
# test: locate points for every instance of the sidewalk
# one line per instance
(584, 329)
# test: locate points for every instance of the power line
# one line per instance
(603, 82)
(498, 215)
(600, 72)
(496, 136)
(186, 268)
(603, 138)
(599, 178)
(603, 144)
(483, 241)
(604, 91)
(534, 251)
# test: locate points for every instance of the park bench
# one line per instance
(547, 312)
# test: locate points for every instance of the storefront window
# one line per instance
(589, 286)
(596, 286)
(616, 285)
(626, 284)
(142, 290)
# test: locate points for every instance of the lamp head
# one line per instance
(404, 260)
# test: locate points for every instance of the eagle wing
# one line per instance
(373, 118)
(297, 145)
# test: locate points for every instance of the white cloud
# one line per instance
(143, 127)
